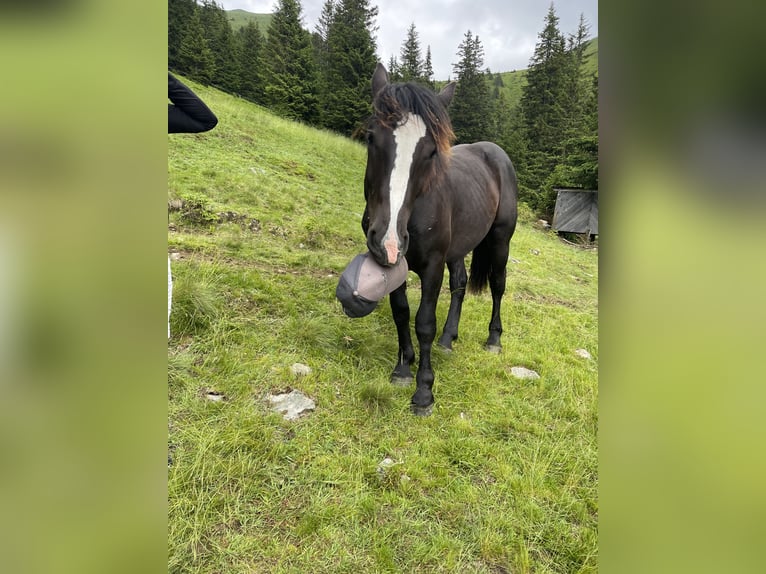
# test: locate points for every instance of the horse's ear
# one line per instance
(445, 96)
(379, 79)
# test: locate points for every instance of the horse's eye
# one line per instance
(369, 138)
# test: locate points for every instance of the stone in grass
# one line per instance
(213, 396)
(300, 370)
(583, 353)
(524, 373)
(291, 405)
(384, 465)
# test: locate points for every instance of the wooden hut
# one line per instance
(576, 211)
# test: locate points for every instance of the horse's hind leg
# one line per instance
(457, 281)
(499, 249)
(400, 309)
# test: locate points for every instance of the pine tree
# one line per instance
(509, 132)
(352, 60)
(576, 84)
(411, 63)
(321, 35)
(428, 70)
(322, 27)
(543, 107)
(290, 71)
(393, 70)
(251, 42)
(179, 15)
(194, 55)
(224, 48)
(579, 167)
(471, 107)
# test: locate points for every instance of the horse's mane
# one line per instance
(394, 101)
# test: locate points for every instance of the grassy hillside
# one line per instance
(514, 81)
(502, 477)
(591, 56)
(240, 18)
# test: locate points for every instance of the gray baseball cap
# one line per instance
(364, 283)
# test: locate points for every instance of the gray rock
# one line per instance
(583, 353)
(524, 373)
(291, 405)
(384, 465)
(300, 370)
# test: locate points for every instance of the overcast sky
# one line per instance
(507, 29)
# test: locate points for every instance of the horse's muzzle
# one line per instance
(387, 252)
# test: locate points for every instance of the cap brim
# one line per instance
(364, 283)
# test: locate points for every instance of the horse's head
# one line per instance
(408, 140)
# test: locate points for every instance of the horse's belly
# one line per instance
(465, 238)
(472, 217)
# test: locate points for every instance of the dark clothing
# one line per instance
(187, 113)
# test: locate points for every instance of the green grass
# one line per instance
(502, 477)
(591, 56)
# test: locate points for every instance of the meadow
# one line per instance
(264, 214)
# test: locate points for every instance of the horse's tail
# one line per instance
(481, 266)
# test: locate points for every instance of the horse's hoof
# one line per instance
(419, 411)
(445, 344)
(494, 349)
(402, 381)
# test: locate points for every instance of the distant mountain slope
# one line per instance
(591, 56)
(240, 18)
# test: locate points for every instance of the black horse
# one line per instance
(433, 203)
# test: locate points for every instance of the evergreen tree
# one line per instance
(497, 84)
(543, 107)
(428, 70)
(352, 60)
(225, 52)
(251, 42)
(471, 111)
(322, 27)
(194, 55)
(579, 167)
(509, 132)
(290, 71)
(411, 64)
(321, 35)
(179, 15)
(393, 70)
(576, 84)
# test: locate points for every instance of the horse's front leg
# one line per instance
(425, 329)
(400, 309)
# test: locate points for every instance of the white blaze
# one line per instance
(406, 137)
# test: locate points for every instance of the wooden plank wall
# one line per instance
(576, 211)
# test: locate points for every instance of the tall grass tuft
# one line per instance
(197, 301)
